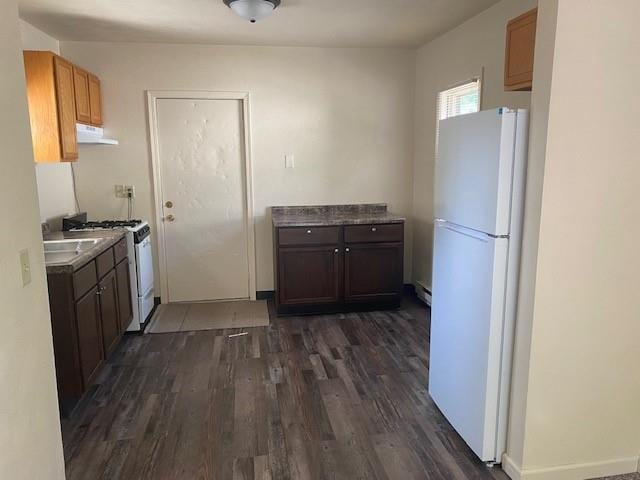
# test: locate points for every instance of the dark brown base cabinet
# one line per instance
(338, 268)
(90, 311)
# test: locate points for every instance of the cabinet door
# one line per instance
(309, 275)
(89, 335)
(125, 311)
(373, 272)
(95, 100)
(520, 47)
(109, 311)
(66, 108)
(81, 87)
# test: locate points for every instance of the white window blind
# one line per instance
(459, 100)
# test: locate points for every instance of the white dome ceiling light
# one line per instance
(252, 10)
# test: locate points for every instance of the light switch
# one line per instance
(289, 161)
(25, 267)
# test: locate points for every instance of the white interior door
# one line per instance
(204, 200)
(469, 281)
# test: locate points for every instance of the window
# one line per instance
(464, 98)
(458, 100)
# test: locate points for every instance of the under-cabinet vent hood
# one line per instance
(93, 135)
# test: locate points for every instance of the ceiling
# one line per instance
(344, 23)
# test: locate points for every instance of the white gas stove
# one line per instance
(140, 261)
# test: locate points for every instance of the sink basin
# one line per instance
(63, 251)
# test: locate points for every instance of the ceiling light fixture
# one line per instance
(252, 10)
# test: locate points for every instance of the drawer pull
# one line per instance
(374, 229)
(308, 232)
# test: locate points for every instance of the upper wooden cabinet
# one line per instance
(95, 101)
(52, 110)
(60, 95)
(81, 86)
(88, 98)
(519, 53)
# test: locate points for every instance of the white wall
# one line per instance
(476, 47)
(581, 414)
(55, 181)
(346, 115)
(539, 118)
(30, 441)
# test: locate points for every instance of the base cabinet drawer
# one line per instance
(85, 279)
(308, 236)
(386, 232)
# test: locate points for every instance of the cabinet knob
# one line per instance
(374, 229)
(336, 250)
(99, 292)
(308, 232)
(347, 250)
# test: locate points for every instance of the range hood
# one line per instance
(93, 135)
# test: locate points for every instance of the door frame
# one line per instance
(152, 97)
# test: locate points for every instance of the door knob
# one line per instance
(168, 204)
(169, 218)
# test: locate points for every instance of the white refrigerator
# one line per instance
(479, 194)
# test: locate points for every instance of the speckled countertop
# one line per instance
(110, 238)
(328, 215)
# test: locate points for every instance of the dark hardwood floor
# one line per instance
(320, 397)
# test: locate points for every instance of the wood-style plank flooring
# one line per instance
(319, 397)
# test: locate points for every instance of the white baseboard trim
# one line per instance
(581, 471)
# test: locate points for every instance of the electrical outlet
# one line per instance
(289, 161)
(125, 191)
(25, 267)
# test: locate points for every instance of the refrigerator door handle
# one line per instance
(481, 236)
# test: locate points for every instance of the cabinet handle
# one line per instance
(308, 232)
(103, 288)
(374, 229)
(347, 250)
(336, 250)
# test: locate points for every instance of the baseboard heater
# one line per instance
(423, 292)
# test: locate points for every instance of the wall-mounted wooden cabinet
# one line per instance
(52, 109)
(59, 95)
(81, 87)
(519, 52)
(95, 101)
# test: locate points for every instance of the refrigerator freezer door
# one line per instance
(474, 170)
(469, 281)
